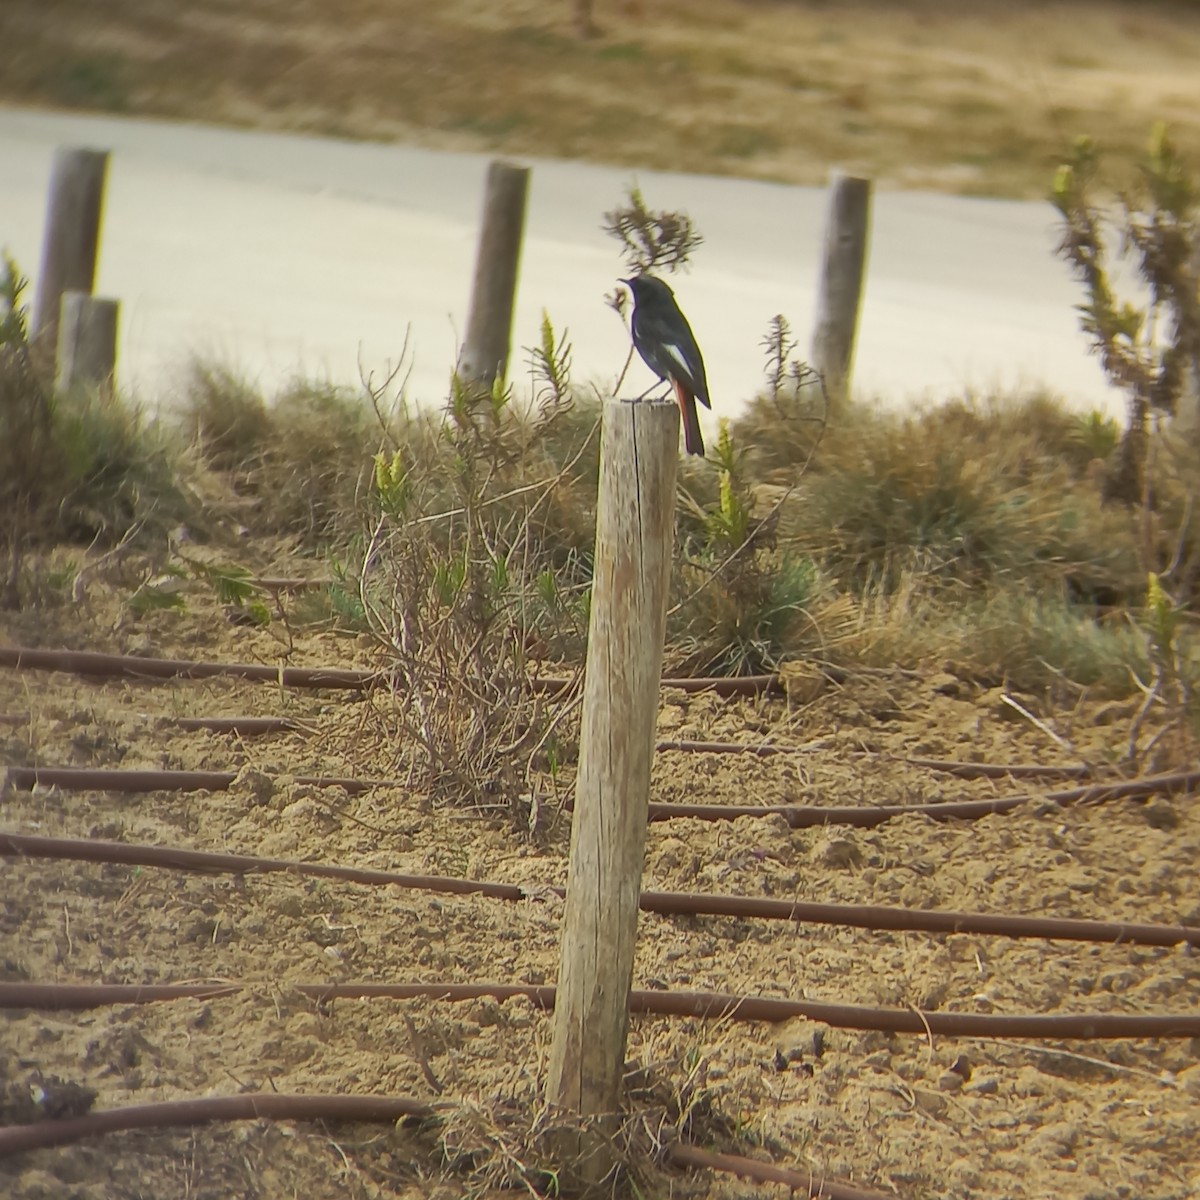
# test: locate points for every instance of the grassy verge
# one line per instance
(970, 535)
(958, 98)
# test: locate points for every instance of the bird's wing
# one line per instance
(669, 347)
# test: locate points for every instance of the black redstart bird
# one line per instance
(665, 341)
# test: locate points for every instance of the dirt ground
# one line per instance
(1111, 1119)
(978, 99)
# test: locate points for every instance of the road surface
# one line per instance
(281, 255)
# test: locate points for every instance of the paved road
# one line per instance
(286, 254)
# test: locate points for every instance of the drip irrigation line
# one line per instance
(177, 858)
(797, 816)
(866, 816)
(271, 1106)
(90, 662)
(860, 916)
(89, 779)
(971, 770)
(16, 1139)
(254, 726)
(275, 583)
(735, 685)
(59, 997)
(804, 1182)
(877, 916)
(759, 749)
(245, 726)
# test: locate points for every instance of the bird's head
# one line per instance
(645, 286)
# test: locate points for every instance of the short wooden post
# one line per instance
(71, 240)
(87, 342)
(489, 326)
(635, 524)
(847, 231)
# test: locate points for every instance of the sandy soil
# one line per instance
(1072, 1120)
(950, 97)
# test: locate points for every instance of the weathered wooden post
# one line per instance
(847, 231)
(71, 240)
(489, 325)
(87, 342)
(635, 526)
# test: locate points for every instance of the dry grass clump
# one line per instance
(512, 1139)
(1029, 641)
(965, 493)
(974, 534)
(84, 467)
(301, 459)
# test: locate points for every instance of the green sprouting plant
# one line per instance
(471, 400)
(1170, 682)
(1096, 434)
(236, 590)
(392, 484)
(744, 600)
(728, 523)
(779, 345)
(1146, 347)
(1162, 617)
(161, 593)
(14, 331)
(550, 366)
(468, 568)
(29, 466)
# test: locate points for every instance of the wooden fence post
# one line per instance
(489, 325)
(635, 527)
(71, 240)
(87, 342)
(847, 231)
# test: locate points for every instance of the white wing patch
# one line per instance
(677, 355)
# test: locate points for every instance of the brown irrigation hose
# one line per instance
(866, 816)
(89, 779)
(58, 997)
(245, 726)
(87, 850)
(257, 726)
(271, 583)
(271, 1106)
(803, 1182)
(736, 685)
(797, 816)
(16, 1139)
(89, 662)
(970, 770)
(878, 916)
(760, 749)
(859, 916)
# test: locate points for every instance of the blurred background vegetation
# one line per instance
(969, 98)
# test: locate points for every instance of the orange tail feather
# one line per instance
(692, 439)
